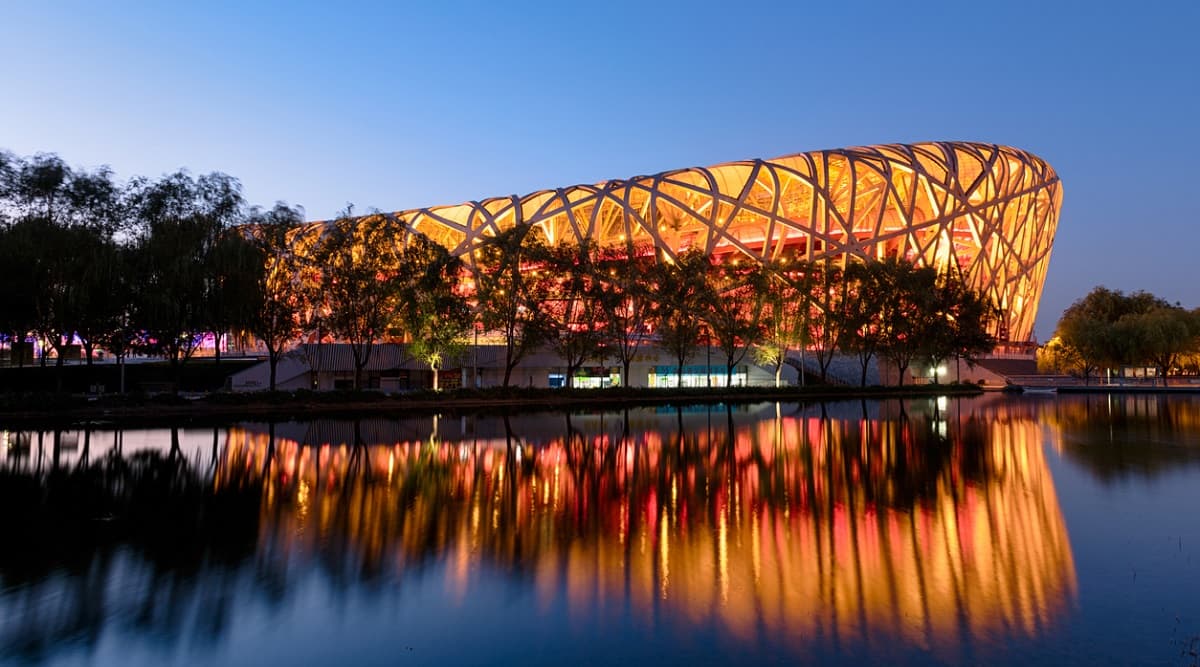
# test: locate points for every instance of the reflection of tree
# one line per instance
(1122, 434)
(140, 541)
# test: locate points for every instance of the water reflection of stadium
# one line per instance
(861, 523)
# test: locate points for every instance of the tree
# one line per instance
(510, 287)
(1088, 328)
(683, 290)
(39, 188)
(862, 326)
(734, 298)
(103, 293)
(62, 221)
(46, 188)
(573, 304)
(1161, 336)
(8, 173)
(18, 308)
(360, 280)
(785, 313)
(830, 299)
(433, 311)
(909, 312)
(957, 322)
(230, 260)
(279, 292)
(170, 300)
(1055, 357)
(182, 223)
(236, 267)
(121, 334)
(625, 300)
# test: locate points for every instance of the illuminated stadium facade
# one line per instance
(990, 209)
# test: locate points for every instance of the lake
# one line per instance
(991, 530)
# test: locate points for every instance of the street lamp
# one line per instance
(708, 355)
(475, 349)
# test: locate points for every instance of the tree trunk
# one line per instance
(433, 369)
(728, 375)
(779, 372)
(802, 366)
(625, 372)
(273, 362)
(217, 348)
(58, 372)
(176, 370)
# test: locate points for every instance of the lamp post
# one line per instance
(708, 355)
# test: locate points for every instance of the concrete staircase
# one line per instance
(843, 370)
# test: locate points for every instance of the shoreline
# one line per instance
(1127, 389)
(219, 408)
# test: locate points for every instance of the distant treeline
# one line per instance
(1108, 330)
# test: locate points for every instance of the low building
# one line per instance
(391, 368)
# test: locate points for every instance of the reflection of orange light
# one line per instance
(809, 537)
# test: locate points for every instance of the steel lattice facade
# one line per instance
(990, 209)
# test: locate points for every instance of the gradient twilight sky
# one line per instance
(397, 105)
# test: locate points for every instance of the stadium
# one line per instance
(989, 210)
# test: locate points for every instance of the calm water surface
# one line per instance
(996, 530)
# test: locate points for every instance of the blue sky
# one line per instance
(397, 105)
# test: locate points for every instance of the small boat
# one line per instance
(1039, 390)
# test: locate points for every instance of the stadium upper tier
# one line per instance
(991, 209)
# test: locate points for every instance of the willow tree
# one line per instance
(279, 291)
(1161, 336)
(181, 222)
(62, 221)
(18, 308)
(102, 287)
(1088, 330)
(360, 281)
